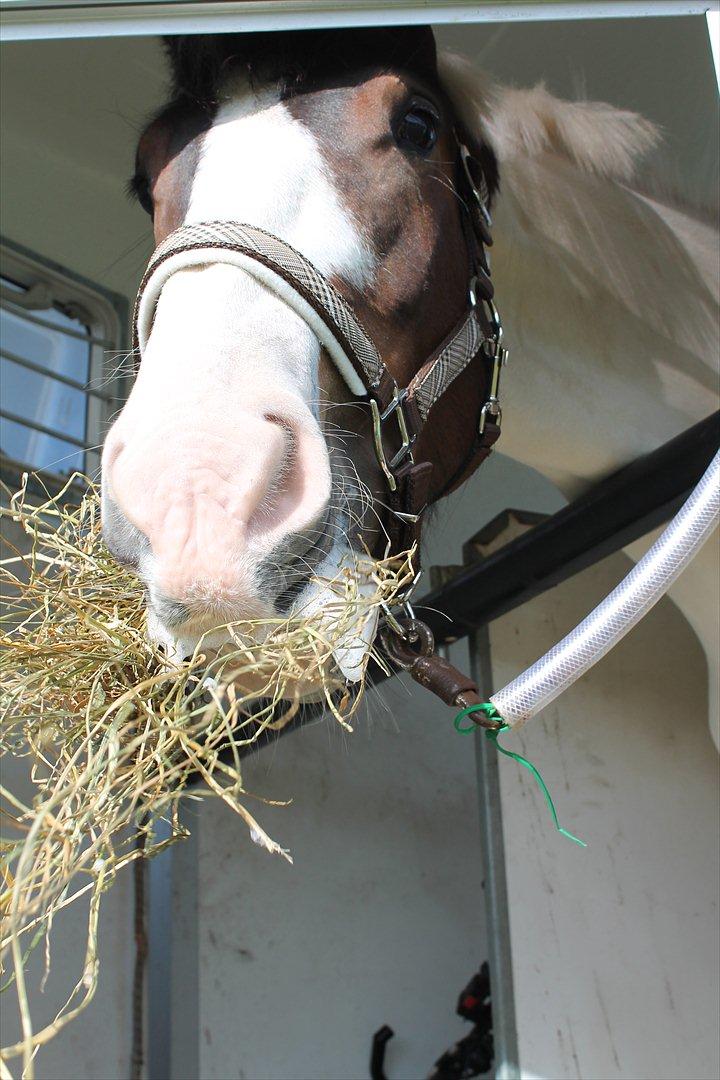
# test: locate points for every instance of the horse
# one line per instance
(241, 472)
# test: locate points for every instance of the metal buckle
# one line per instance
(395, 408)
(481, 197)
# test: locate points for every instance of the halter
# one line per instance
(399, 414)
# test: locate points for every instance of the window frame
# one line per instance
(25, 20)
(105, 313)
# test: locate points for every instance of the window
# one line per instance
(59, 340)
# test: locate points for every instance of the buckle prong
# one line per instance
(396, 409)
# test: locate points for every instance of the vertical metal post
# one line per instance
(172, 984)
(507, 1066)
(159, 963)
(185, 990)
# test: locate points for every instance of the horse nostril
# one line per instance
(290, 436)
(172, 613)
(217, 512)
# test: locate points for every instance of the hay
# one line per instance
(114, 734)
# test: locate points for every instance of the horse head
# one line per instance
(241, 467)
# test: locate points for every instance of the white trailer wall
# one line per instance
(615, 948)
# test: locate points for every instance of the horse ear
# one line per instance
(195, 63)
(199, 62)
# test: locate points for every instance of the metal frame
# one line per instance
(497, 909)
(106, 316)
(173, 1004)
(617, 511)
(24, 20)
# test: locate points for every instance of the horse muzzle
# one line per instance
(217, 520)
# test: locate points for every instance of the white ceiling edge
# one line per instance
(26, 20)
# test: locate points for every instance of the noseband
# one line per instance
(399, 414)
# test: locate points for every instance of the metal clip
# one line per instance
(395, 408)
(494, 350)
(499, 355)
(392, 621)
(490, 408)
(404, 596)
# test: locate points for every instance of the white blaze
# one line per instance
(261, 166)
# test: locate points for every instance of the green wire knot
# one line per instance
(491, 713)
(487, 707)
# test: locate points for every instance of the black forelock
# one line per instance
(200, 64)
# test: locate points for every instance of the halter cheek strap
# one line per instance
(399, 414)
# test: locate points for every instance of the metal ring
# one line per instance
(417, 640)
(493, 318)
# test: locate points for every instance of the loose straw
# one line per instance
(112, 734)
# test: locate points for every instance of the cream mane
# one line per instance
(596, 137)
(568, 215)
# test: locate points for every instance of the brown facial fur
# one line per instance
(406, 206)
(167, 157)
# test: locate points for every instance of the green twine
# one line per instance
(491, 713)
(487, 707)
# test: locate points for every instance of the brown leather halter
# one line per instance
(399, 414)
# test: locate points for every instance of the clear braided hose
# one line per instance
(621, 610)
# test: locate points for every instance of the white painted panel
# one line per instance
(380, 920)
(97, 1044)
(615, 948)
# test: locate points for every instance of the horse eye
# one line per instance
(418, 129)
